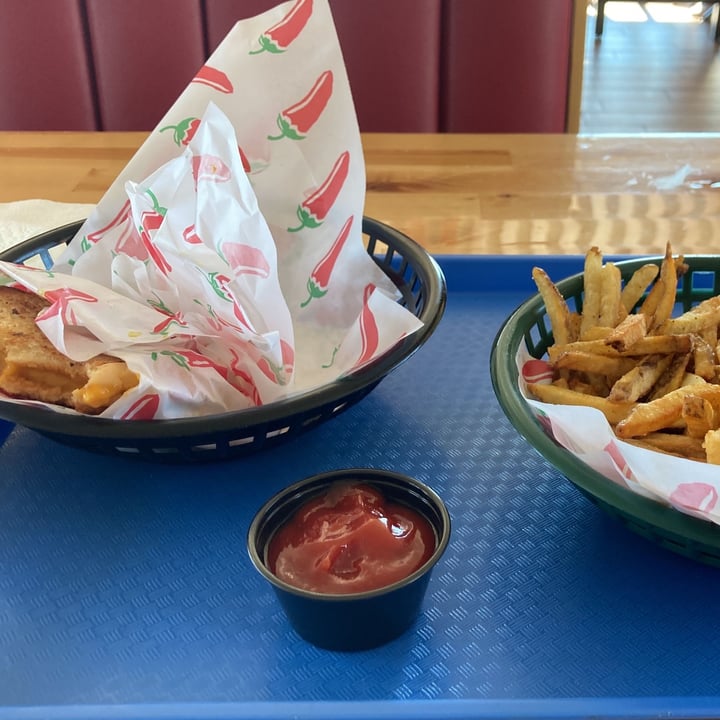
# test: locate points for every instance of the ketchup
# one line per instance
(350, 540)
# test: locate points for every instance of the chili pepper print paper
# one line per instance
(689, 486)
(235, 231)
(191, 308)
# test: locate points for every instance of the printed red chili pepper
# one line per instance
(368, 328)
(244, 160)
(619, 460)
(214, 78)
(218, 324)
(296, 121)
(545, 423)
(209, 167)
(187, 359)
(163, 327)
(695, 496)
(184, 131)
(150, 221)
(235, 376)
(314, 209)
(60, 304)
(143, 409)
(278, 38)
(190, 235)
(319, 279)
(241, 380)
(219, 283)
(275, 373)
(131, 244)
(129, 231)
(287, 353)
(123, 214)
(270, 371)
(245, 259)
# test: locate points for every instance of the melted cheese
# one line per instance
(105, 385)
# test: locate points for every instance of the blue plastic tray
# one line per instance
(126, 590)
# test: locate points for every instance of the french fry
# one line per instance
(672, 443)
(655, 377)
(649, 345)
(637, 284)
(614, 412)
(645, 418)
(591, 363)
(638, 381)
(703, 358)
(660, 345)
(593, 347)
(699, 416)
(574, 321)
(592, 290)
(627, 333)
(596, 333)
(692, 379)
(555, 306)
(651, 302)
(610, 299)
(600, 384)
(672, 378)
(581, 385)
(696, 320)
(666, 301)
(710, 335)
(711, 444)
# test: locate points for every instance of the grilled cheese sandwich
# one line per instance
(32, 368)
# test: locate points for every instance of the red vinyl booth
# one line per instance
(506, 66)
(413, 65)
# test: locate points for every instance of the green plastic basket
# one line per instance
(684, 534)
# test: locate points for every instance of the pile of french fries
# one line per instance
(655, 377)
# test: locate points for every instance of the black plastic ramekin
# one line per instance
(356, 621)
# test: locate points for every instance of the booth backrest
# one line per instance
(506, 65)
(413, 65)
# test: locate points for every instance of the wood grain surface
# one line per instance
(467, 194)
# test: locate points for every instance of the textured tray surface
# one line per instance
(126, 582)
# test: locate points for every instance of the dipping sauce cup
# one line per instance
(357, 591)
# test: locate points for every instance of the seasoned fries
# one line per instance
(555, 305)
(637, 285)
(592, 275)
(627, 333)
(655, 377)
(559, 395)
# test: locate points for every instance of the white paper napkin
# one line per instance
(24, 219)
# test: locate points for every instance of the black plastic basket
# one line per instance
(664, 525)
(234, 434)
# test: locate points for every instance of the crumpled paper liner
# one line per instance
(226, 263)
(689, 486)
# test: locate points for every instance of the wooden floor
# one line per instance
(656, 68)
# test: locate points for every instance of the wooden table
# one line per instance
(490, 194)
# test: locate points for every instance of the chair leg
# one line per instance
(600, 17)
(716, 12)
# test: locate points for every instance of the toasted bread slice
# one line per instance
(32, 368)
